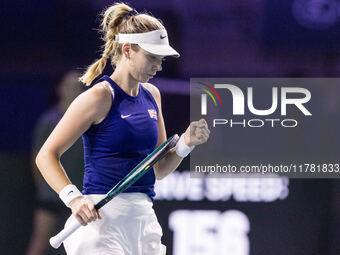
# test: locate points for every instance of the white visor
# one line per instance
(155, 42)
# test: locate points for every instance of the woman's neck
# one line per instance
(125, 81)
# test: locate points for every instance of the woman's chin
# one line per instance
(146, 78)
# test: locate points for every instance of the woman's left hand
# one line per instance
(197, 133)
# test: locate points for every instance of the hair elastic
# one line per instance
(130, 13)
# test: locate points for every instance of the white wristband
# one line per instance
(182, 149)
(69, 193)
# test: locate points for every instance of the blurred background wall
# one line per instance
(42, 40)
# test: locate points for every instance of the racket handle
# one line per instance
(58, 239)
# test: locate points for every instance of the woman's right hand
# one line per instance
(83, 210)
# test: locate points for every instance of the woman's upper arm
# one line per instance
(86, 109)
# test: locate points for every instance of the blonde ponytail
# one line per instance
(114, 22)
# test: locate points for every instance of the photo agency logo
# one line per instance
(241, 100)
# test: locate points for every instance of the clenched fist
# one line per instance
(83, 210)
(197, 133)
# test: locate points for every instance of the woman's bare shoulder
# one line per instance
(153, 90)
(97, 99)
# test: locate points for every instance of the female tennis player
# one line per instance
(120, 120)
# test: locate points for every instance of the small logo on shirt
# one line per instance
(125, 116)
(152, 113)
(162, 36)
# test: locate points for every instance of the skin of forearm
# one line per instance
(167, 165)
(51, 169)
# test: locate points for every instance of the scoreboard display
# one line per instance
(242, 216)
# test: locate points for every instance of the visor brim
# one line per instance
(160, 49)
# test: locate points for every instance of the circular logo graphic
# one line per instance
(316, 14)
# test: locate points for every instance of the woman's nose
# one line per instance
(159, 66)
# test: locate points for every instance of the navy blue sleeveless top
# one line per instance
(121, 141)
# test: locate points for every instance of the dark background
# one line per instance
(41, 40)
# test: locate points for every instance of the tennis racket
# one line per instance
(126, 182)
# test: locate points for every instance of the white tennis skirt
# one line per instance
(129, 226)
